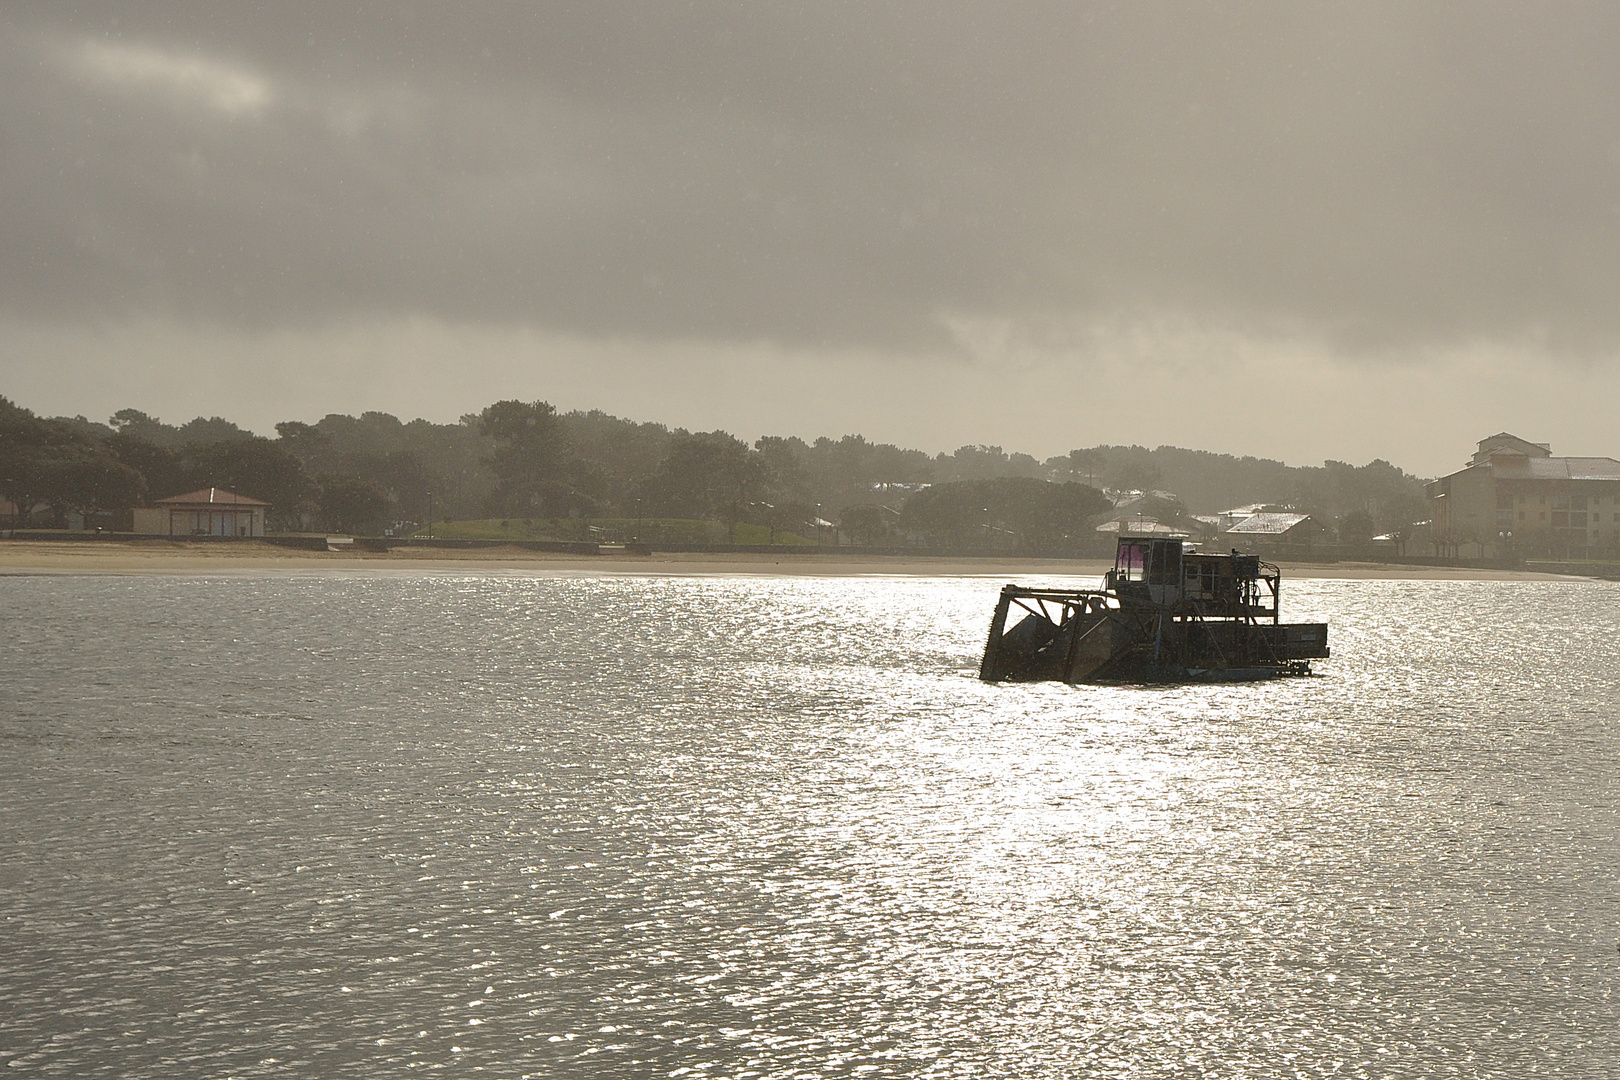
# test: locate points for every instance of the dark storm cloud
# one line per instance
(817, 173)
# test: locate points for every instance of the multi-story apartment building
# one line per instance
(1515, 497)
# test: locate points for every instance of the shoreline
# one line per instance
(164, 557)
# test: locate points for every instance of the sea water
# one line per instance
(348, 825)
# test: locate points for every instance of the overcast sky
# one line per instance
(1298, 231)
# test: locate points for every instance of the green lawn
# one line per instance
(612, 530)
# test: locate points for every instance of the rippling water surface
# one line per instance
(345, 826)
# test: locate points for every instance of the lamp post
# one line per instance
(430, 516)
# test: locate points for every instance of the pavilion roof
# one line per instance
(211, 497)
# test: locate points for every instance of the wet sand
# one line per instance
(188, 559)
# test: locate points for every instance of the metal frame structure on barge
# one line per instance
(1165, 613)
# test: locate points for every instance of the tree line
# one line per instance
(526, 460)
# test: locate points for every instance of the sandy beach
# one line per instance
(187, 559)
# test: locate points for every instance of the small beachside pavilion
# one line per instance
(209, 512)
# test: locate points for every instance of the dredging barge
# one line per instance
(1165, 613)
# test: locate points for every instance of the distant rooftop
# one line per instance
(1139, 527)
(1267, 524)
(211, 497)
(1556, 468)
(1504, 442)
(1509, 457)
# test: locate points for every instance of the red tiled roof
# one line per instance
(211, 497)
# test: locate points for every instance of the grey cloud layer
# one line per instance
(817, 173)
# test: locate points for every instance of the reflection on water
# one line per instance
(338, 826)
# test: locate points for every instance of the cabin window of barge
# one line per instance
(1131, 562)
(1164, 566)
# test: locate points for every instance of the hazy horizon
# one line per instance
(1293, 233)
(809, 437)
